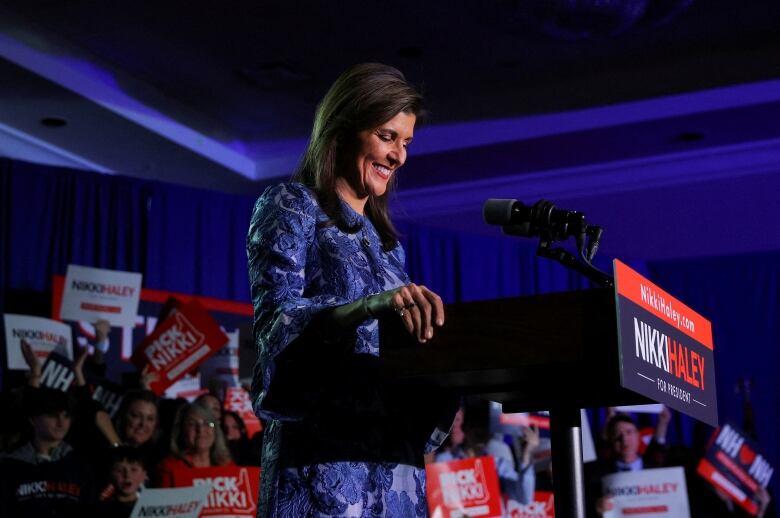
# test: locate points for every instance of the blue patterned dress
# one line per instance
(338, 442)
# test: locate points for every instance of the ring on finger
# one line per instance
(400, 310)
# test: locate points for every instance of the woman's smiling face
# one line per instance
(378, 153)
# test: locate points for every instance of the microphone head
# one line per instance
(498, 211)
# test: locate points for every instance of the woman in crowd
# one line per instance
(196, 442)
(137, 418)
(245, 451)
(213, 403)
(325, 264)
(137, 423)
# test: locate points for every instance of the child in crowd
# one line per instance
(127, 473)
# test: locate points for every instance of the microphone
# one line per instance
(519, 219)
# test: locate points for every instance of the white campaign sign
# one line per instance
(659, 493)
(43, 334)
(188, 388)
(180, 502)
(588, 447)
(653, 408)
(92, 294)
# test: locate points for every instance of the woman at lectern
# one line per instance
(324, 265)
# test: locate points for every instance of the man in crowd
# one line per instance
(45, 476)
(623, 442)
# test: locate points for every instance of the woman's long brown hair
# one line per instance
(363, 97)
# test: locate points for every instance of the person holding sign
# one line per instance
(324, 265)
(622, 434)
(196, 442)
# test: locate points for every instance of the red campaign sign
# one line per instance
(646, 435)
(525, 419)
(179, 344)
(234, 488)
(734, 465)
(237, 400)
(541, 507)
(464, 487)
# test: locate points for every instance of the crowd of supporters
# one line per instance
(63, 455)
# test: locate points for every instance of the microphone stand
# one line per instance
(588, 237)
(567, 259)
(565, 421)
(551, 225)
(565, 425)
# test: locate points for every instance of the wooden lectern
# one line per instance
(556, 352)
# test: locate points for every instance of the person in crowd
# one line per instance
(213, 403)
(325, 264)
(451, 448)
(127, 474)
(197, 441)
(245, 451)
(622, 436)
(515, 470)
(233, 426)
(137, 418)
(45, 476)
(137, 424)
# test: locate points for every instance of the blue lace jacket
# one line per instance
(338, 442)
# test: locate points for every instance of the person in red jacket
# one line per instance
(197, 441)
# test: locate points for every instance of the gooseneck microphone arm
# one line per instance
(551, 225)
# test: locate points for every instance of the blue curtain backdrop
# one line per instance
(181, 239)
(192, 241)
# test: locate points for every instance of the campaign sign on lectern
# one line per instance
(666, 350)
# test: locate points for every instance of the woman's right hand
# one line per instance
(418, 307)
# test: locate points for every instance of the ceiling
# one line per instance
(221, 95)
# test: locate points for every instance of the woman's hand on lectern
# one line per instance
(419, 308)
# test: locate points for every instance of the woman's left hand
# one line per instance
(418, 307)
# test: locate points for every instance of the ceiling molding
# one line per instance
(447, 137)
(21, 146)
(80, 73)
(605, 178)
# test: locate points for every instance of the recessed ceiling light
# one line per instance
(275, 75)
(690, 136)
(53, 122)
(410, 52)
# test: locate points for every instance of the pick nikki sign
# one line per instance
(666, 348)
(179, 344)
(467, 487)
(237, 400)
(233, 490)
(542, 506)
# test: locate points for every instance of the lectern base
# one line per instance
(568, 476)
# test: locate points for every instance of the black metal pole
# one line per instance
(568, 477)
